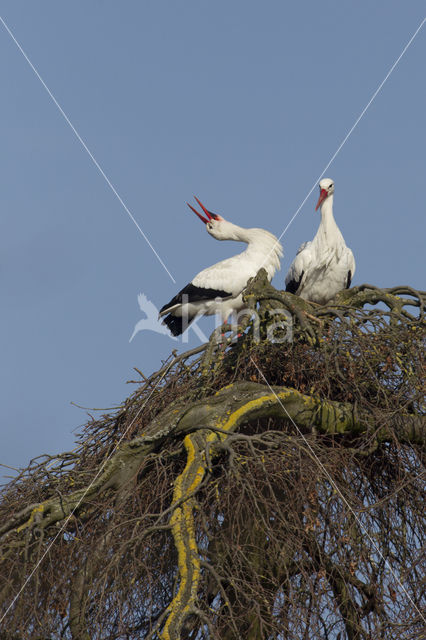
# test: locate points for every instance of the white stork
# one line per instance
(218, 288)
(325, 265)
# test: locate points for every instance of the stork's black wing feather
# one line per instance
(349, 279)
(175, 324)
(293, 285)
(191, 293)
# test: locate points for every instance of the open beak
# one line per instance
(321, 199)
(209, 214)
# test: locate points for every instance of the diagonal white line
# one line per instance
(86, 148)
(351, 130)
(355, 124)
(336, 488)
(82, 497)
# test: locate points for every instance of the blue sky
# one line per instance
(241, 103)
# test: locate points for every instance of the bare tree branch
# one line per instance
(213, 504)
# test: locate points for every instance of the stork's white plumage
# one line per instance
(325, 265)
(218, 288)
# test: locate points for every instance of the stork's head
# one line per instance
(326, 186)
(216, 226)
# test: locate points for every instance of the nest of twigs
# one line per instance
(89, 548)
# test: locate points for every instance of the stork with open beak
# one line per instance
(218, 288)
(325, 265)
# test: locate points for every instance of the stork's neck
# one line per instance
(259, 241)
(254, 238)
(239, 234)
(327, 211)
(328, 231)
(263, 250)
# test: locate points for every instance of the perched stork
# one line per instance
(325, 265)
(218, 288)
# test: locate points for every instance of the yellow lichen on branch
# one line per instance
(38, 509)
(172, 501)
(224, 412)
(187, 484)
(183, 531)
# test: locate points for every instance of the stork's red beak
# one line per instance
(323, 195)
(209, 214)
